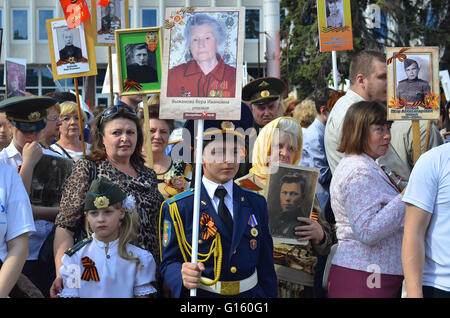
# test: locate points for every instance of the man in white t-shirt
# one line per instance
(426, 240)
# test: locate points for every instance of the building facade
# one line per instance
(25, 37)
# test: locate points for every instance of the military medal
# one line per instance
(253, 223)
(253, 244)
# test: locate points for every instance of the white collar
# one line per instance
(12, 151)
(212, 186)
(101, 244)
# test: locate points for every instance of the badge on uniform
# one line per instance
(253, 244)
(167, 231)
(253, 223)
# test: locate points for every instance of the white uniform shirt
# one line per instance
(16, 217)
(118, 277)
(211, 188)
(11, 156)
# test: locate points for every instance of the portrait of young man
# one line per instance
(412, 88)
(141, 63)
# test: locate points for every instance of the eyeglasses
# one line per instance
(111, 111)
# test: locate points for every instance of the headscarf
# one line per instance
(262, 145)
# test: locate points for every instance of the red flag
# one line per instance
(103, 3)
(75, 11)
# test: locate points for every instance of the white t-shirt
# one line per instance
(118, 277)
(16, 216)
(429, 189)
(11, 156)
(71, 154)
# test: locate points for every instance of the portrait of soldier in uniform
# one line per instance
(69, 50)
(110, 20)
(412, 88)
(15, 79)
(141, 63)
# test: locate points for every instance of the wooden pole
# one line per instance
(417, 151)
(148, 141)
(80, 117)
(111, 80)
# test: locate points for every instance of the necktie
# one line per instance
(224, 213)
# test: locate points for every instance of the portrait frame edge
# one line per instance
(119, 57)
(94, 22)
(90, 47)
(394, 107)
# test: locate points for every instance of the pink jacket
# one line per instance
(369, 216)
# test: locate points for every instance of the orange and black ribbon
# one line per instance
(90, 271)
(129, 84)
(400, 56)
(208, 227)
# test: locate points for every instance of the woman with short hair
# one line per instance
(368, 209)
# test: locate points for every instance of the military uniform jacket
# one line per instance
(241, 254)
(413, 91)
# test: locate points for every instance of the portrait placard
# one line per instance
(413, 83)
(202, 63)
(335, 25)
(15, 76)
(139, 55)
(290, 194)
(72, 51)
(49, 176)
(106, 20)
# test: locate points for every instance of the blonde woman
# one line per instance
(294, 263)
(69, 143)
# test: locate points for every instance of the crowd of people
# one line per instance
(123, 225)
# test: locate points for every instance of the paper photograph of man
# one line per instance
(108, 19)
(15, 77)
(290, 194)
(70, 48)
(413, 78)
(141, 63)
(335, 13)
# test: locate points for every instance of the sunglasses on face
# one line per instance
(111, 111)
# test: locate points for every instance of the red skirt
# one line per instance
(350, 283)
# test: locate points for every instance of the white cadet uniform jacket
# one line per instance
(117, 277)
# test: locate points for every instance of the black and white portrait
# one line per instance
(141, 63)
(15, 77)
(334, 13)
(70, 49)
(413, 78)
(108, 19)
(290, 194)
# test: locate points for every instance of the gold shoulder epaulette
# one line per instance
(77, 246)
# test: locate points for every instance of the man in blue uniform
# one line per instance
(235, 250)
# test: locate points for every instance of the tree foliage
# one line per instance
(409, 23)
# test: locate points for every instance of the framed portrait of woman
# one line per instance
(413, 83)
(72, 51)
(139, 55)
(202, 63)
(107, 19)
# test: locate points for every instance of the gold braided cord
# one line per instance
(185, 247)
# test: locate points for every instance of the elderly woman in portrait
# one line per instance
(115, 155)
(281, 141)
(69, 142)
(206, 74)
(368, 209)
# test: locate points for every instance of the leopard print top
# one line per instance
(144, 188)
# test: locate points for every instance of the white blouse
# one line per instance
(118, 277)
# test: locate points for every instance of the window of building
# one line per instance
(20, 24)
(149, 18)
(1, 19)
(44, 15)
(252, 23)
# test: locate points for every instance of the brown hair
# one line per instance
(98, 151)
(362, 63)
(355, 129)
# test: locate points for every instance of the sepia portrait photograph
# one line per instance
(203, 57)
(108, 19)
(139, 55)
(290, 194)
(71, 50)
(413, 83)
(49, 176)
(15, 76)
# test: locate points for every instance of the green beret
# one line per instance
(263, 90)
(27, 113)
(101, 194)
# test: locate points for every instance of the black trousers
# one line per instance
(432, 292)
